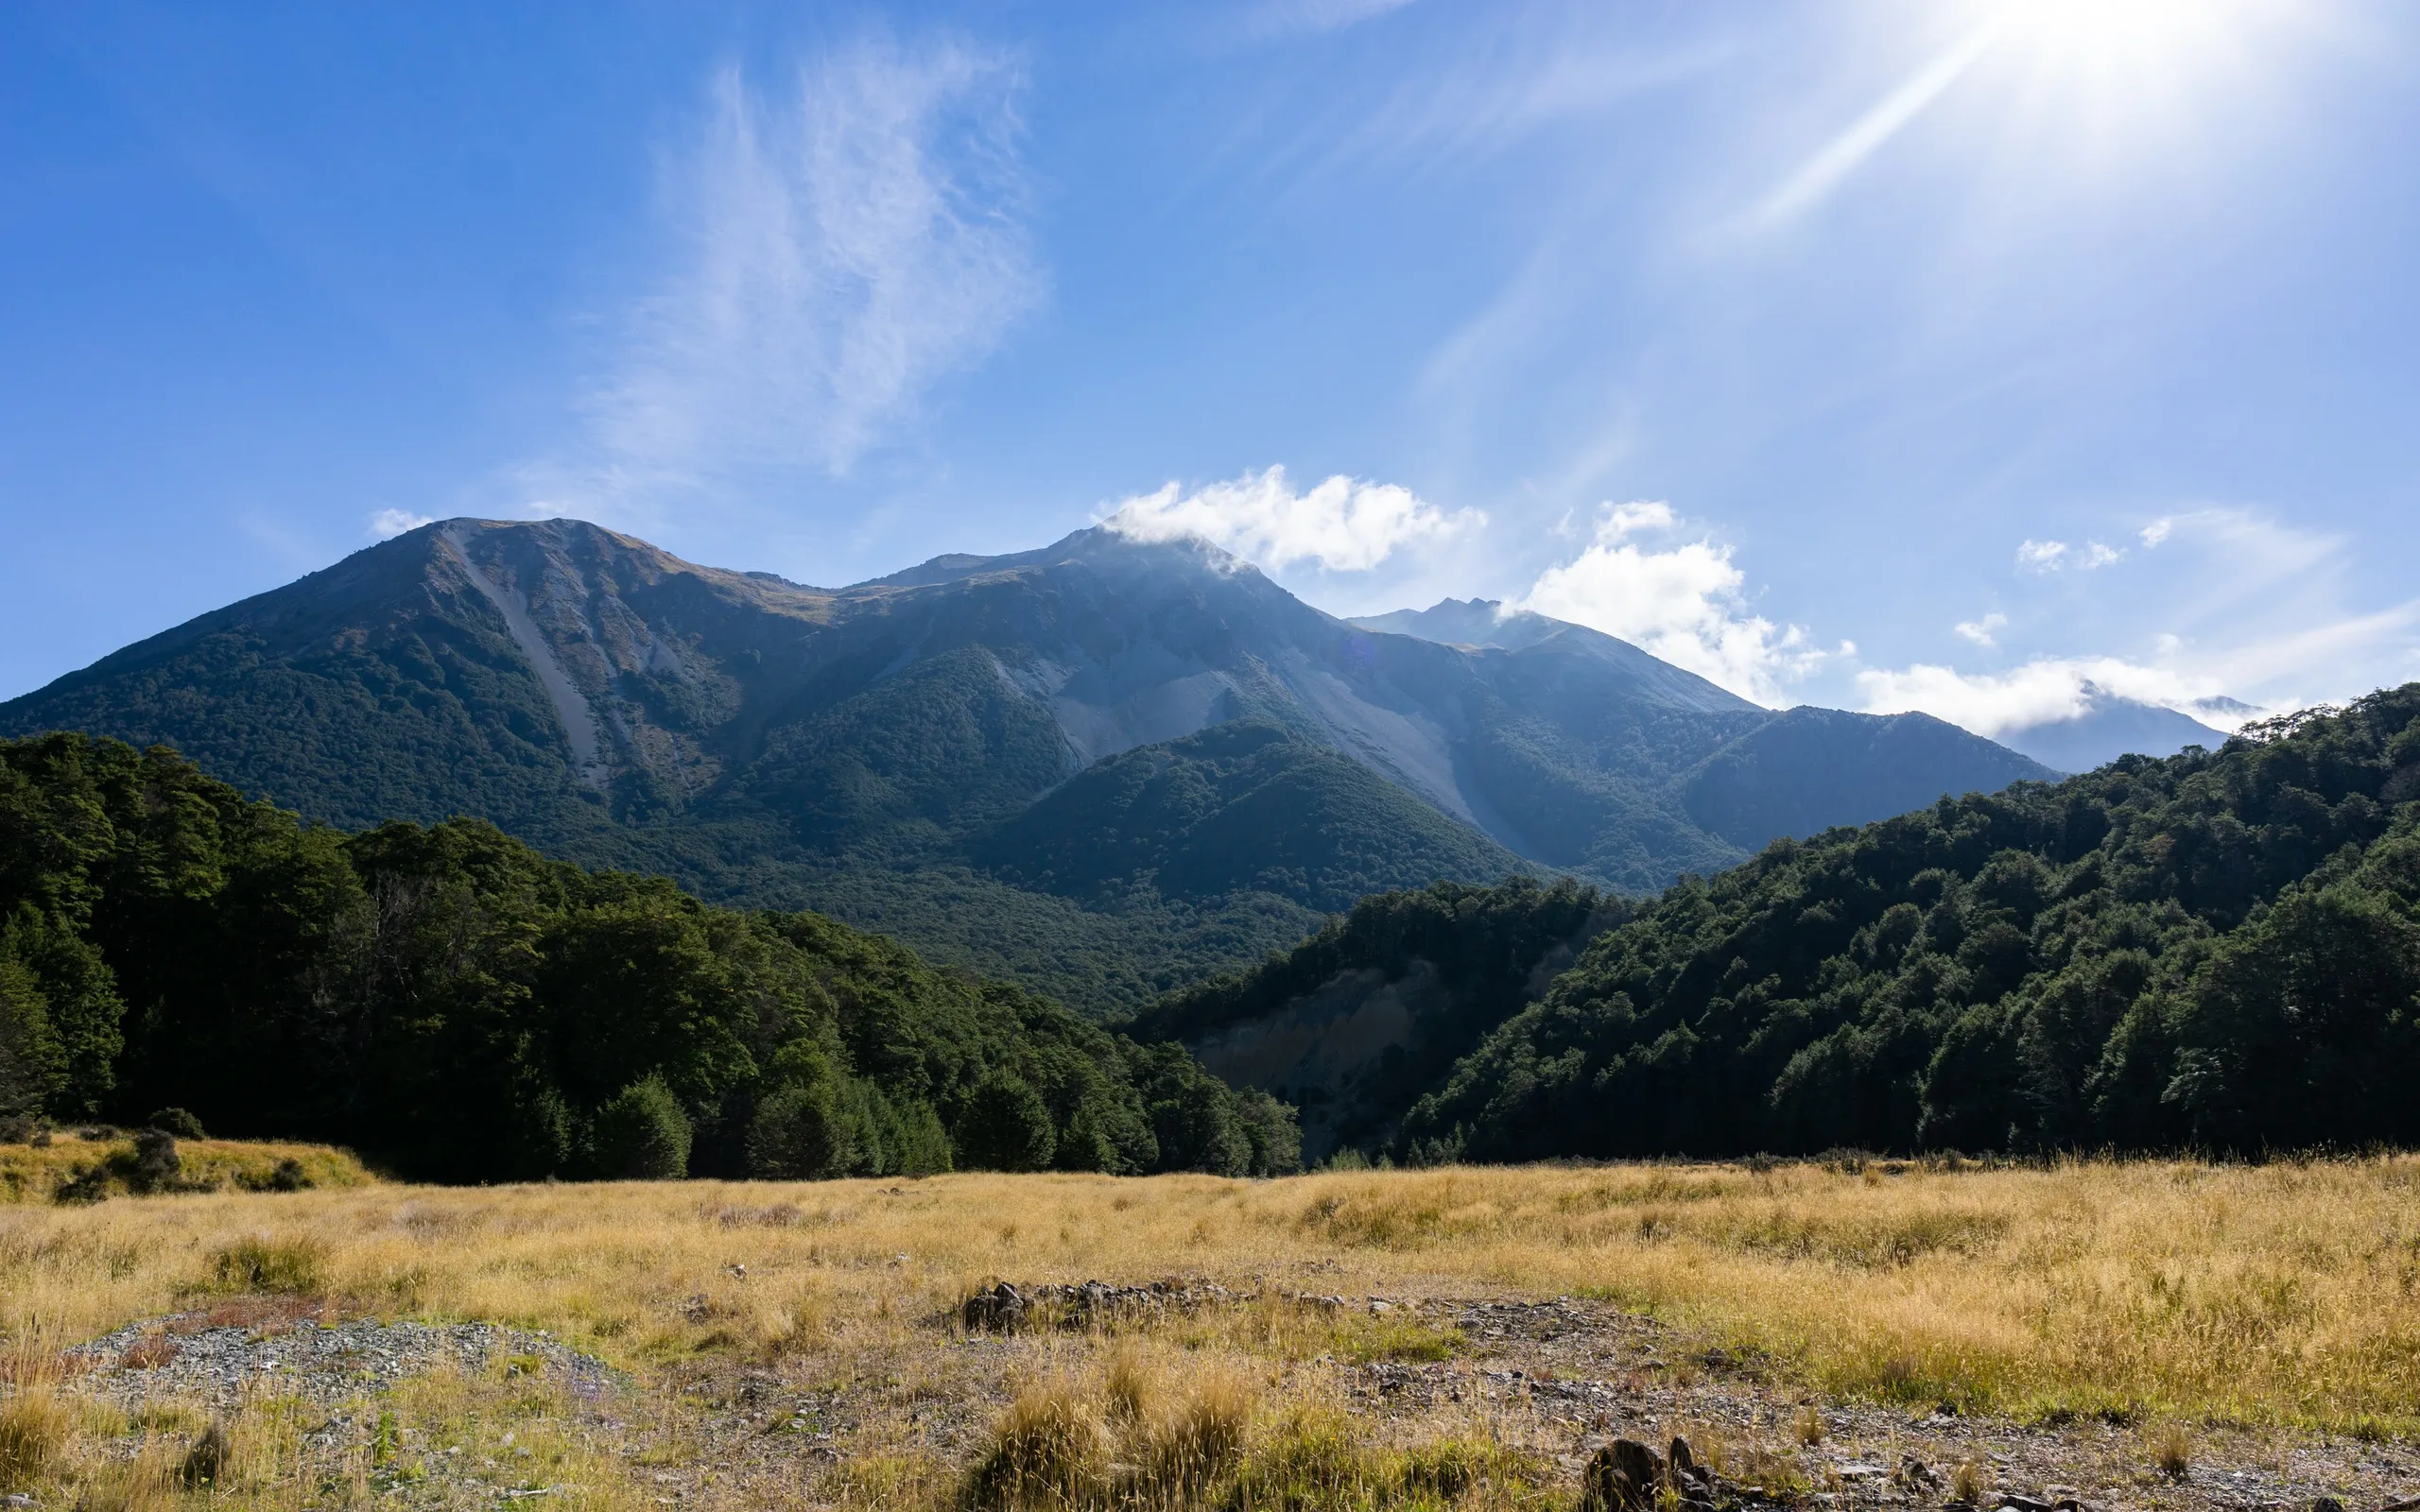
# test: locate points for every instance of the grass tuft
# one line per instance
(285, 1267)
(2170, 1448)
(1047, 1452)
(34, 1428)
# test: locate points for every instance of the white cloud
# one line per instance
(2045, 689)
(2057, 555)
(2237, 614)
(844, 243)
(387, 524)
(1984, 631)
(1684, 604)
(1342, 525)
(2041, 555)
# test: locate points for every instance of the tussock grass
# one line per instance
(2142, 1292)
(34, 1428)
(35, 1173)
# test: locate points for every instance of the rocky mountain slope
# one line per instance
(900, 752)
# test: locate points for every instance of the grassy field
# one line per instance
(106, 1164)
(2278, 1298)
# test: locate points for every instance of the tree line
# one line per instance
(458, 1008)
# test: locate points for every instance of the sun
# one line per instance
(2120, 64)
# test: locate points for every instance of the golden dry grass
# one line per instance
(35, 1173)
(2276, 1296)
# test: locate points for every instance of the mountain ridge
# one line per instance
(864, 750)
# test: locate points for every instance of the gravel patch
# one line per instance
(210, 1358)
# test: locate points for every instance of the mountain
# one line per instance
(2111, 727)
(1104, 767)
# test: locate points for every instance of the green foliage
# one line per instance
(178, 1122)
(458, 1007)
(2219, 951)
(642, 1134)
(25, 1043)
(1006, 1126)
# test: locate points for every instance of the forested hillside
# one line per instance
(457, 1006)
(1359, 1021)
(2217, 950)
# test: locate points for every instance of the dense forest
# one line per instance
(2217, 951)
(458, 1008)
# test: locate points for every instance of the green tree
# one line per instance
(1006, 1126)
(798, 1135)
(643, 1134)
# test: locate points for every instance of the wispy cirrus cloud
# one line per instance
(1341, 525)
(843, 240)
(1830, 165)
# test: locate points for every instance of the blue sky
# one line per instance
(1883, 355)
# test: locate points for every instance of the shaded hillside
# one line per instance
(1360, 1019)
(2218, 950)
(876, 753)
(454, 1004)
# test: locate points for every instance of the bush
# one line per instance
(178, 1122)
(643, 1134)
(1006, 1126)
(156, 1165)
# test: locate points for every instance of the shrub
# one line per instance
(643, 1134)
(1006, 1126)
(156, 1165)
(179, 1122)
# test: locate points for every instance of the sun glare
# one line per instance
(2120, 63)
